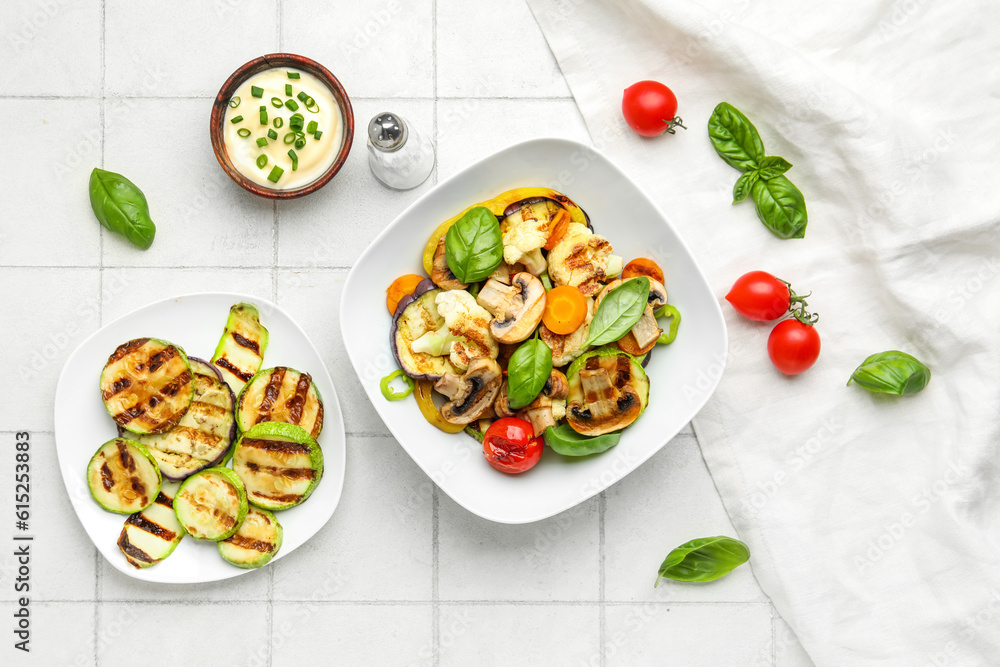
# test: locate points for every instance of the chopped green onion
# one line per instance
(276, 102)
(291, 105)
(263, 115)
(261, 142)
(288, 89)
(312, 127)
(236, 119)
(296, 121)
(293, 75)
(289, 138)
(300, 144)
(243, 132)
(271, 134)
(391, 394)
(312, 106)
(317, 134)
(256, 91)
(275, 174)
(303, 96)
(235, 102)
(278, 122)
(295, 159)
(261, 161)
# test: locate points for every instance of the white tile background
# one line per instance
(401, 574)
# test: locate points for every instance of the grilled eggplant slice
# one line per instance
(205, 432)
(123, 477)
(240, 352)
(255, 543)
(280, 395)
(151, 535)
(211, 504)
(280, 465)
(146, 385)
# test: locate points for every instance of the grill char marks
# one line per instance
(107, 478)
(131, 550)
(151, 527)
(222, 362)
(248, 543)
(117, 387)
(278, 446)
(251, 345)
(290, 473)
(298, 399)
(126, 348)
(163, 500)
(271, 393)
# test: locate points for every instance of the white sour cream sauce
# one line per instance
(313, 159)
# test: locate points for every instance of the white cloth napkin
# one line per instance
(872, 520)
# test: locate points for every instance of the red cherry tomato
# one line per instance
(650, 108)
(793, 346)
(510, 446)
(760, 296)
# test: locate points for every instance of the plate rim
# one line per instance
(255, 299)
(478, 164)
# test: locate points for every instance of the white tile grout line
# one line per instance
(188, 601)
(98, 587)
(602, 504)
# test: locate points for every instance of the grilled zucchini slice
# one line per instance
(280, 395)
(211, 504)
(151, 535)
(240, 352)
(204, 434)
(146, 385)
(123, 477)
(255, 543)
(280, 464)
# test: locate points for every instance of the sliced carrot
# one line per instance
(643, 267)
(557, 228)
(628, 343)
(565, 309)
(400, 287)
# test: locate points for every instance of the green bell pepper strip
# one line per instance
(391, 394)
(675, 322)
(564, 440)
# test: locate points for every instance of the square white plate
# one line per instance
(195, 322)
(682, 375)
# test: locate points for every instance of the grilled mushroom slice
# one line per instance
(517, 308)
(502, 405)
(608, 390)
(471, 393)
(549, 406)
(442, 275)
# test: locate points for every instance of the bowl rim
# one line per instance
(350, 286)
(236, 79)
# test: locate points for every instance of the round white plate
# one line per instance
(195, 322)
(682, 375)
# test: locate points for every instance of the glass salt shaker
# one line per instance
(400, 155)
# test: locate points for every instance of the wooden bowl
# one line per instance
(271, 61)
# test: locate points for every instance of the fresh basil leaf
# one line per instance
(121, 207)
(620, 309)
(892, 372)
(781, 207)
(474, 245)
(564, 440)
(704, 559)
(773, 166)
(741, 190)
(735, 138)
(527, 372)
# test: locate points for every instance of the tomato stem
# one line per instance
(797, 306)
(676, 121)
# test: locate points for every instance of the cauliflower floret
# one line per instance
(523, 239)
(558, 409)
(465, 334)
(581, 259)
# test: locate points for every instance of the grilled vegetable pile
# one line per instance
(181, 420)
(527, 325)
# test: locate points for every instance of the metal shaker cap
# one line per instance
(387, 132)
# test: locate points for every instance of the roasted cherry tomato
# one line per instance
(643, 267)
(760, 296)
(510, 445)
(400, 287)
(793, 346)
(650, 108)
